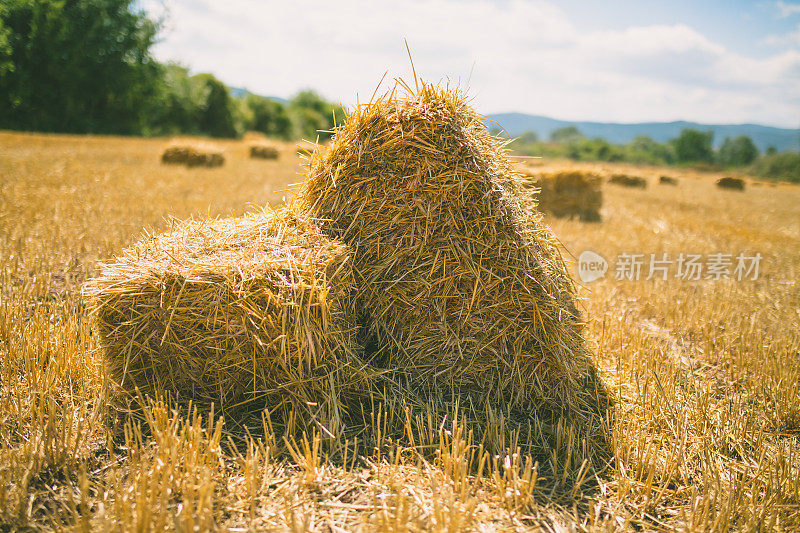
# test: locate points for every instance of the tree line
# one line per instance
(691, 147)
(85, 66)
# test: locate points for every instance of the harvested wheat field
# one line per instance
(567, 194)
(703, 373)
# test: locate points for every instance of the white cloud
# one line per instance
(787, 9)
(791, 39)
(527, 55)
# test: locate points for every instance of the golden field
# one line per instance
(705, 374)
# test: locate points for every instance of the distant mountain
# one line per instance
(763, 136)
(239, 92)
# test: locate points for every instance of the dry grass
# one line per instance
(705, 374)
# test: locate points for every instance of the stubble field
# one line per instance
(705, 374)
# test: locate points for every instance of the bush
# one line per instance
(781, 166)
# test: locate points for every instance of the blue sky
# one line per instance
(625, 61)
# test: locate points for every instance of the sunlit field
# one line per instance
(705, 374)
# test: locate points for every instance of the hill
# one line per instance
(763, 136)
(239, 92)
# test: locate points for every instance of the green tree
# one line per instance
(6, 64)
(217, 115)
(528, 137)
(314, 116)
(782, 166)
(567, 134)
(694, 146)
(738, 152)
(180, 98)
(76, 66)
(267, 116)
(644, 149)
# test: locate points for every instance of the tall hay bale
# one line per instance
(734, 184)
(264, 151)
(569, 193)
(462, 288)
(667, 180)
(625, 180)
(239, 312)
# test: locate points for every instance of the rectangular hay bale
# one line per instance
(233, 311)
(264, 151)
(568, 194)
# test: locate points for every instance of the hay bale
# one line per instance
(306, 148)
(628, 181)
(667, 180)
(200, 155)
(569, 193)
(176, 155)
(462, 288)
(205, 158)
(734, 184)
(236, 312)
(264, 151)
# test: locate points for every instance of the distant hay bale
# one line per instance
(462, 288)
(205, 158)
(176, 155)
(234, 312)
(735, 184)
(667, 180)
(569, 193)
(193, 155)
(628, 181)
(264, 151)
